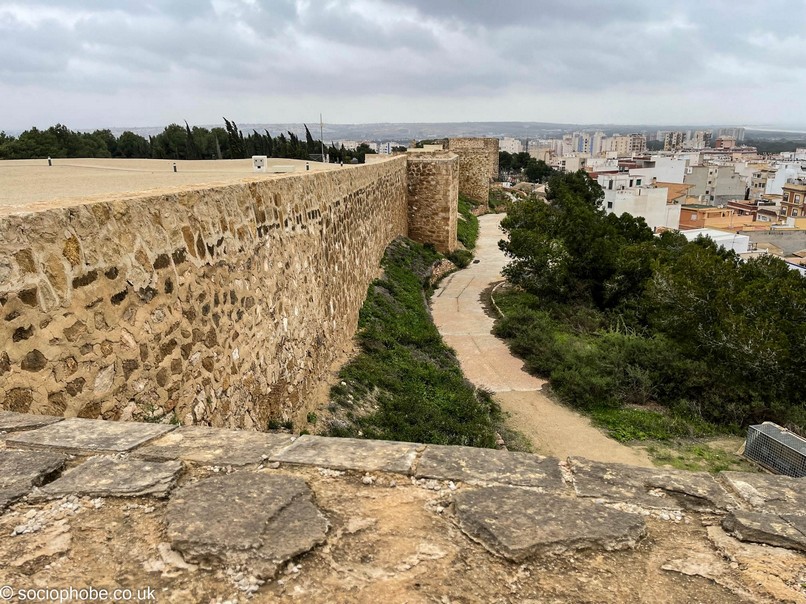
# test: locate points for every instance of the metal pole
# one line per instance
(321, 137)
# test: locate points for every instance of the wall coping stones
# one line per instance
(474, 465)
(15, 422)
(88, 436)
(517, 523)
(351, 454)
(104, 476)
(215, 446)
(516, 519)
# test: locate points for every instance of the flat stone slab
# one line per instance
(780, 531)
(769, 493)
(213, 446)
(14, 422)
(20, 471)
(649, 487)
(351, 454)
(86, 436)
(249, 519)
(474, 465)
(110, 477)
(518, 523)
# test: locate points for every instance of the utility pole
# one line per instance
(321, 137)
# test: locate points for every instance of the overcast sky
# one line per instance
(104, 63)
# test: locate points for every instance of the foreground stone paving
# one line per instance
(211, 515)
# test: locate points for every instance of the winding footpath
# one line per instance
(459, 314)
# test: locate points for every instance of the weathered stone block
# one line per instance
(86, 436)
(276, 520)
(212, 446)
(517, 523)
(350, 454)
(112, 477)
(20, 471)
(476, 465)
(15, 422)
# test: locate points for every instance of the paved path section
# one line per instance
(487, 362)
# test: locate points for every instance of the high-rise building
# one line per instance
(674, 141)
(510, 145)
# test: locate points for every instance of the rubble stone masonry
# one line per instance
(478, 164)
(224, 305)
(433, 191)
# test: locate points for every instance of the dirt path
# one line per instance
(459, 315)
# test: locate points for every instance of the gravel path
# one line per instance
(460, 316)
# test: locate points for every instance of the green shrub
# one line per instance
(461, 258)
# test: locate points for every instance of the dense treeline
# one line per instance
(775, 146)
(614, 315)
(174, 142)
(534, 170)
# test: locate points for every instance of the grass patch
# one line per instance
(698, 457)
(628, 424)
(467, 228)
(406, 384)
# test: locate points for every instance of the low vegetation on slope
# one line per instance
(406, 384)
(624, 323)
(467, 232)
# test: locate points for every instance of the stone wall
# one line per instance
(433, 189)
(224, 305)
(488, 145)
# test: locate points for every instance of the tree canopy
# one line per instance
(717, 334)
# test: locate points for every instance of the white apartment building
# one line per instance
(624, 193)
(569, 163)
(663, 169)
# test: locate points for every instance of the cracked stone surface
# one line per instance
(768, 493)
(470, 464)
(20, 471)
(517, 523)
(351, 454)
(86, 436)
(14, 422)
(787, 530)
(111, 477)
(649, 487)
(276, 521)
(210, 446)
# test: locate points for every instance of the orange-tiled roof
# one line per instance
(674, 191)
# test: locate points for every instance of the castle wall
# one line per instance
(223, 305)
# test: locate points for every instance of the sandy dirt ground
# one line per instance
(460, 316)
(30, 185)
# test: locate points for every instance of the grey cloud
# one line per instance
(402, 48)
